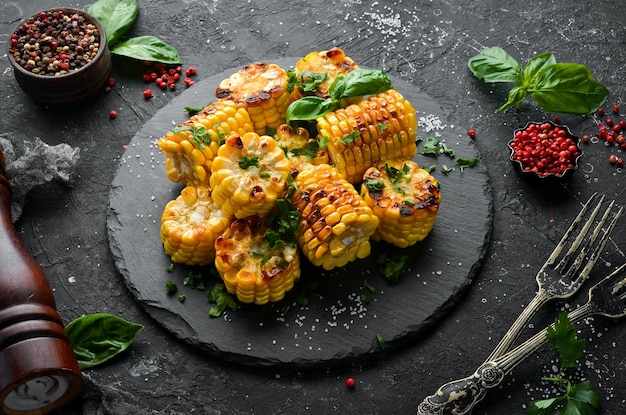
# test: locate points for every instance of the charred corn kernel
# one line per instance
(317, 71)
(248, 175)
(335, 223)
(261, 89)
(250, 268)
(405, 198)
(297, 144)
(190, 224)
(189, 149)
(359, 136)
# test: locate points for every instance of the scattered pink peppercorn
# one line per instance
(111, 81)
(600, 111)
(147, 93)
(619, 162)
(615, 109)
(350, 383)
(112, 114)
(190, 71)
(471, 133)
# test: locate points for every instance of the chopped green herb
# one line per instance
(264, 175)
(381, 341)
(193, 110)
(446, 170)
(431, 147)
(381, 126)
(374, 185)
(392, 267)
(465, 162)
(194, 280)
(323, 142)
(366, 298)
(311, 149)
(222, 299)
(349, 138)
(170, 268)
(369, 287)
(409, 202)
(247, 162)
(181, 298)
(170, 287)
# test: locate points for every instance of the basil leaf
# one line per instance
(586, 392)
(116, 16)
(516, 97)
(149, 48)
(544, 406)
(534, 66)
(495, 65)
(360, 82)
(568, 88)
(96, 338)
(310, 108)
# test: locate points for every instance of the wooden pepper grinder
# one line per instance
(38, 368)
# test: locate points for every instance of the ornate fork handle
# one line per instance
(460, 396)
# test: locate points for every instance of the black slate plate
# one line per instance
(335, 326)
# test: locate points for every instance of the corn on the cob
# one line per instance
(190, 224)
(317, 71)
(335, 223)
(405, 198)
(248, 175)
(261, 89)
(190, 148)
(297, 143)
(252, 269)
(379, 128)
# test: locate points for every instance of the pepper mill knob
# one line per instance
(38, 368)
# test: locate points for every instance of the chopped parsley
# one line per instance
(465, 162)
(194, 280)
(349, 138)
(374, 185)
(170, 287)
(392, 267)
(222, 299)
(381, 341)
(247, 162)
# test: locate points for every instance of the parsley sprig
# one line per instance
(577, 398)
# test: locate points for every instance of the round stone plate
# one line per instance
(331, 317)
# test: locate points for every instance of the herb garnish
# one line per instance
(170, 287)
(222, 299)
(358, 82)
(556, 87)
(247, 162)
(578, 398)
(374, 185)
(117, 17)
(391, 267)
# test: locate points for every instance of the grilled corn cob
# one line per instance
(335, 224)
(317, 71)
(297, 143)
(248, 175)
(252, 269)
(405, 198)
(361, 135)
(190, 148)
(261, 89)
(190, 224)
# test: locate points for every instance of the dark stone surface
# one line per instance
(426, 44)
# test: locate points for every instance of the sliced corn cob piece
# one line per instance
(190, 224)
(317, 71)
(359, 136)
(190, 148)
(297, 143)
(405, 198)
(335, 222)
(261, 89)
(248, 175)
(252, 269)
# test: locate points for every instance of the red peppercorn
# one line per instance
(172, 86)
(146, 78)
(615, 109)
(600, 111)
(471, 133)
(111, 81)
(619, 162)
(147, 93)
(557, 120)
(190, 71)
(113, 114)
(350, 383)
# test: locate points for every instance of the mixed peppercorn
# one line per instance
(55, 43)
(611, 132)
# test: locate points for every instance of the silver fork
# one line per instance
(562, 278)
(606, 298)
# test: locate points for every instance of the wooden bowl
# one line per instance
(60, 87)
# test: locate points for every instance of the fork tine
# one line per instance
(583, 232)
(597, 250)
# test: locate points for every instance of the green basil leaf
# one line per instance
(149, 48)
(495, 65)
(310, 108)
(96, 338)
(360, 82)
(516, 97)
(574, 407)
(568, 88)
(544, 406)
(116, 16)
(534, 66)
